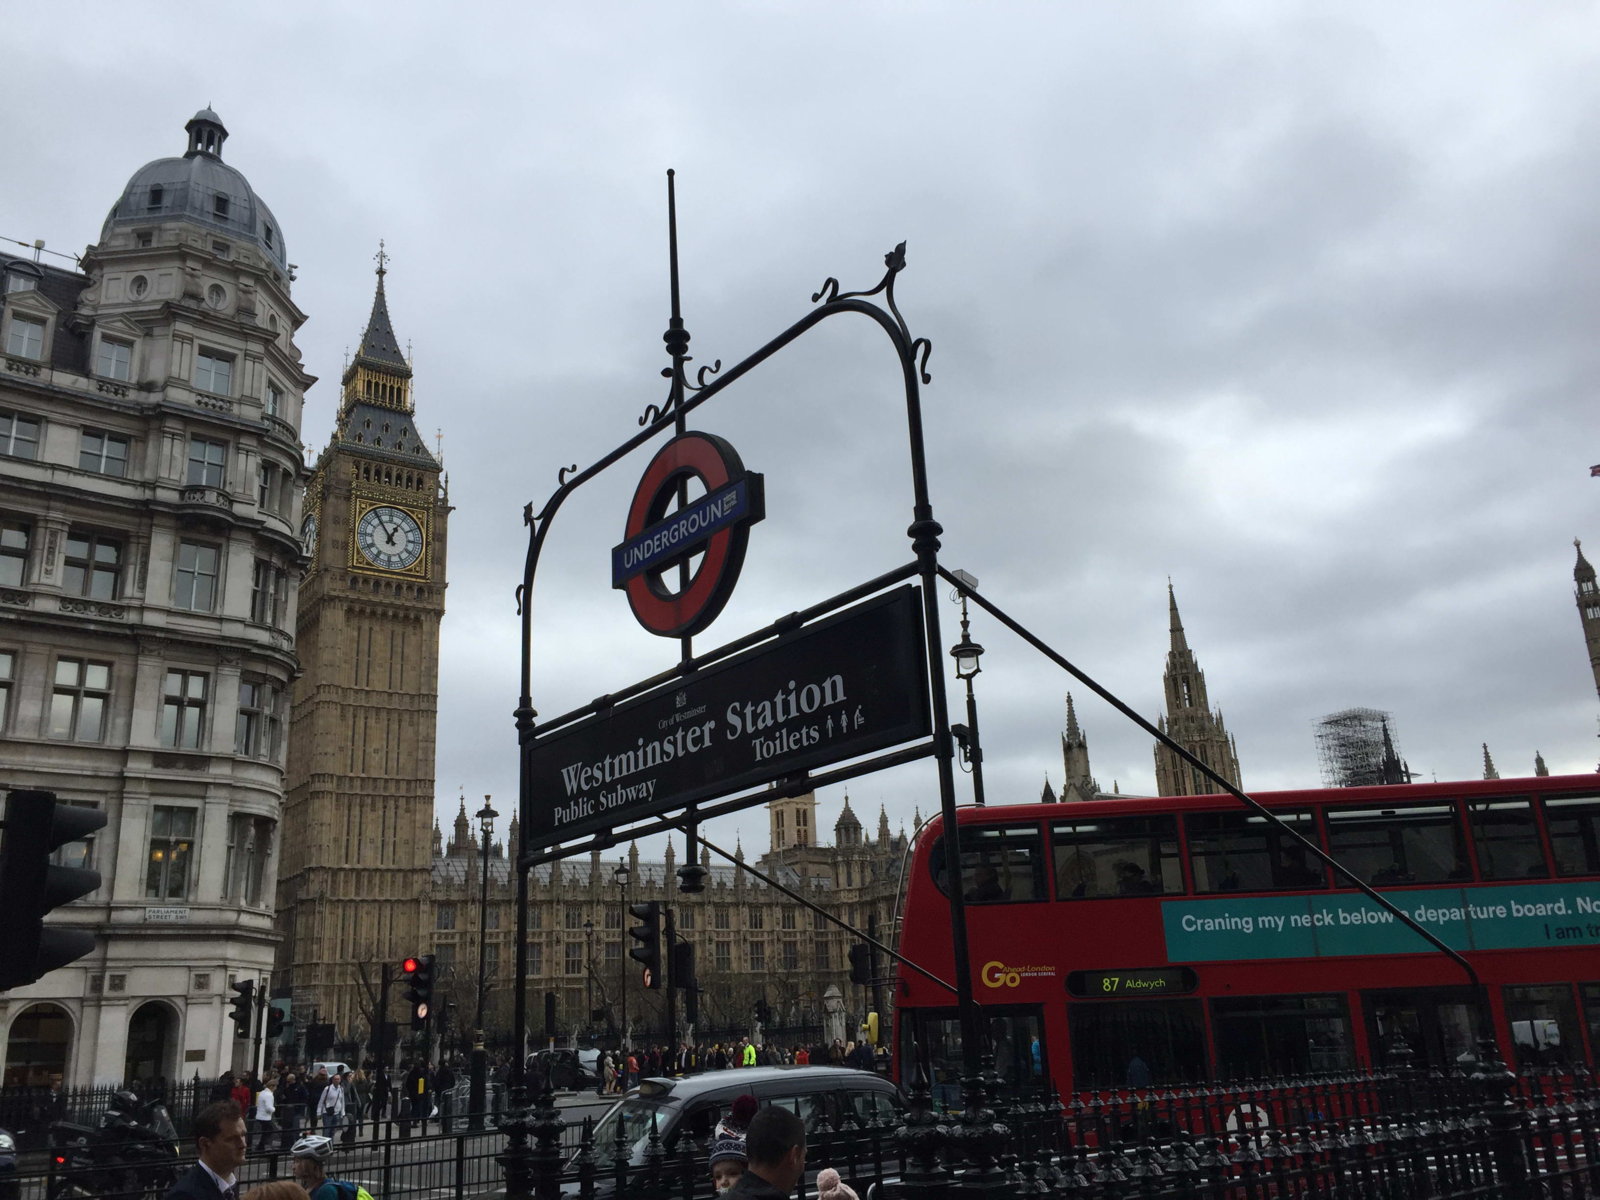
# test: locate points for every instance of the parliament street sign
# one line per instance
(844, 686)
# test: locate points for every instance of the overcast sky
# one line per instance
(1293, 303)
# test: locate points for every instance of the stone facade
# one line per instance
(150, 492)
(358, 815)
(1191, 722)
(751, 942)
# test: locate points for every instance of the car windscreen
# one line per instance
(634, 1116)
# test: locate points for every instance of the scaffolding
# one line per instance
(1357, 748)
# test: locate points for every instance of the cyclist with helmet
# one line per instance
(310, 1157)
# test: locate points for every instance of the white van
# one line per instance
(332, 1068)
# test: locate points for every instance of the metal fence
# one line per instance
(1476, 1133)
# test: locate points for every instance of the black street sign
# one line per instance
(839, 688)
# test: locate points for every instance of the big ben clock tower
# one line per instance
(358, 816)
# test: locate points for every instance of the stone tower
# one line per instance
(1588, 597)
(1079, 780)
(792, 822)
(358, 817)
(1191, 722)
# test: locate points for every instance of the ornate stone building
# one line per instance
(1587, 595)
(149, 506)
(751, 942)
(358, 814)
(1191, 722)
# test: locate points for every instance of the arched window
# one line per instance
(38, 1046)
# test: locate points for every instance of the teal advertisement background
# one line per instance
(1322, 925)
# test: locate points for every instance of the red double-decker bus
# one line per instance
(1140, 942)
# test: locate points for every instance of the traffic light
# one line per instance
(872, 1028)
(682, 966)
(418, 975)
(36, 825)
(861, 963)
(648, 936)
(763, 1011)
(243, 1001)
(275, 1021)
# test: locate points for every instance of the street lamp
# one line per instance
(621, 875)
(588, 1019)
(477, 1100)
(967, 652)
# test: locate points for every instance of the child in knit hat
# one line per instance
(728, 1161)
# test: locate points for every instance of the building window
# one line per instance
(207, 462)
(821, 960)
(613, 918)
(26, 339)
(273, 485)
(19, 435)
(491, 959)
(444, 956)
(260, 723)
(722, 955)
(574, 918)
(196, 577)
(686, 918)
(13, 552)
(720, 918)
(445, 917)
(8, 675)
(171, 848)
(213, 373)
(144, 239)
(535, 958)
(786, 918)
(93, 566)
(757, 918)
(219, 209)
(114, 360)
(274, 402)
(20, 279)
(216, 296)
(758, 956)
(103, 453)
(536, 918)
(78, 700)
(789, 955)
(572, 963)
(183, 709)
(156, 195)
(80, 853)
(267, 593)
(613, 953)
(244, 874)
(491, 918)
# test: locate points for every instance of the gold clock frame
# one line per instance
(363, 503)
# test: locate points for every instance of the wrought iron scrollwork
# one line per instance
(704, 374)
(561, 479)
(895, 262)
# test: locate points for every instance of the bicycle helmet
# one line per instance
(312, 1146)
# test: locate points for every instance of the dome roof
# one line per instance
(199, 187)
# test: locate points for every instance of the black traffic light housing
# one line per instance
(275, 1023)
(763, 1011)
(244, 1000)
(861, 963)
(31, 886)
(417, 973)
(647, 953)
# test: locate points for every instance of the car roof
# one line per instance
(761, 1082)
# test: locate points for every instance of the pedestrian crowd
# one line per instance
(620, 1070)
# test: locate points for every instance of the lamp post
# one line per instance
(477, 1101)
(967, 652)
(621, 875)
(588, 978)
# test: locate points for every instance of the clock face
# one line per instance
(389, 537)
(308, 535)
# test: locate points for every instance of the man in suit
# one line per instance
(220, 1139)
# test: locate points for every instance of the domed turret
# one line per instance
(201, 188)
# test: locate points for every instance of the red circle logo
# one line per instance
(715, 525)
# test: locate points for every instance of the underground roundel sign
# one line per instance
(664, 531)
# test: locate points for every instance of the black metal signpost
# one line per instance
(814, 689)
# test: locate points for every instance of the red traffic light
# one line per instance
(409, 966)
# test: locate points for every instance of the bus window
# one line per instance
(1414, 843)
(1243, 852)
(1440, 1026)
(1143, 1043)
(1015, 1037)
(1281, 1035)
(1116, 856)
(1507, 839)
(1544, 1027)
(998, 863)
(1574, 823)
(1591, 1014)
